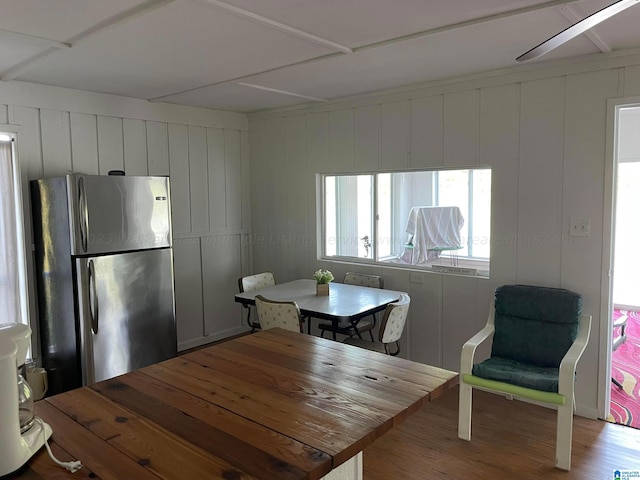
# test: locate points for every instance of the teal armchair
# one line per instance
(538, 335)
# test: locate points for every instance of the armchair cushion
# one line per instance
(535, 325)
(518, 373)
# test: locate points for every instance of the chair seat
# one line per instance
(518, 373)
(366, 344)
(346, 328)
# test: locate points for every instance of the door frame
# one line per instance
(608, 233)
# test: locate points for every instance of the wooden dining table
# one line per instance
(272, 405)
(345, 303)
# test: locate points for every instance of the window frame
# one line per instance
(473, 266)
(21, 238)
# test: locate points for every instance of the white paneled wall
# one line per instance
(208, 165)
(542, 132)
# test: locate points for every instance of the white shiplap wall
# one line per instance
(205, 154)
(543, 133)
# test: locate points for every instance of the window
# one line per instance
(13, 296)
(431, 220)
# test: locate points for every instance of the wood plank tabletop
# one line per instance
(272, 405)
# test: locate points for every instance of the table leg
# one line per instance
(349, 470)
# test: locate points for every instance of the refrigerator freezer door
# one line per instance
(118, 213)
(127, 318)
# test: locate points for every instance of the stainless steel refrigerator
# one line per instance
(104, 272)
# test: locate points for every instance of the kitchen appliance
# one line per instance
(21, 435)
(104, 270)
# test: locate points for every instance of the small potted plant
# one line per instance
(323, 277)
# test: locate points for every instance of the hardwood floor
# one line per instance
(510, 439)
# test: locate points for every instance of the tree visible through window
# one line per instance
(416, 218)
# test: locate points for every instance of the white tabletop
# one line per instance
(344, 302)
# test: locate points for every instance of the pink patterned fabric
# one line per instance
(625, 367)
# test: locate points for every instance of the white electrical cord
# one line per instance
(72, 466)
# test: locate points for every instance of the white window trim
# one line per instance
(481, 265)
(13, 131)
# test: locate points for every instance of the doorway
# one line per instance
(625, 285)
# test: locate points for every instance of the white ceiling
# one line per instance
(248, 55)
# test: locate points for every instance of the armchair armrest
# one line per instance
(470, 346)
(566, 376)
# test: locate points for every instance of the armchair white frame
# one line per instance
(564, 400)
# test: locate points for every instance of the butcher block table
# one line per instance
(273, 405)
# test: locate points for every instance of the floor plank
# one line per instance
(510, 439)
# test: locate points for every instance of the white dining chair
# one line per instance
(276, 314)
(254, 282)
(363, 324)
(391, 328)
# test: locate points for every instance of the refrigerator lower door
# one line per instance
(127, 314)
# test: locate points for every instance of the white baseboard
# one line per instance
(587, 412)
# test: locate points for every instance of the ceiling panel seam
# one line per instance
(279, 26)
(403, 38)
(571, 15)
(32, 38)
(142, 9)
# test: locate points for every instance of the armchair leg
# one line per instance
(464, 412)
(564, 437)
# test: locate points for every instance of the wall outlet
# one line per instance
(415, 278)
(579, 227)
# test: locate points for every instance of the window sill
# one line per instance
(464, 266)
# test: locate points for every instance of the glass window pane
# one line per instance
(423, 218)
(330, 216)
(385, 226)
(481, 218)
(349, 216)
(453, 191)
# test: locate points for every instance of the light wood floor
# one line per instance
(510, 439)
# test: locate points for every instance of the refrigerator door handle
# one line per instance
(93, 298)
(84, 214)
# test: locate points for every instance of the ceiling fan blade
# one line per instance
(576, 29)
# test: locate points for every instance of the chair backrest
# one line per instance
(253, 282)
(535, 325)
(373, 281)
(272, 314)
(394, 319)
(621, 337)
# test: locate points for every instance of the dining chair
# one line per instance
(538, 336)
(391, 328)
(254, 282)
(362, 325)
(621, 325)
(276, 314)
